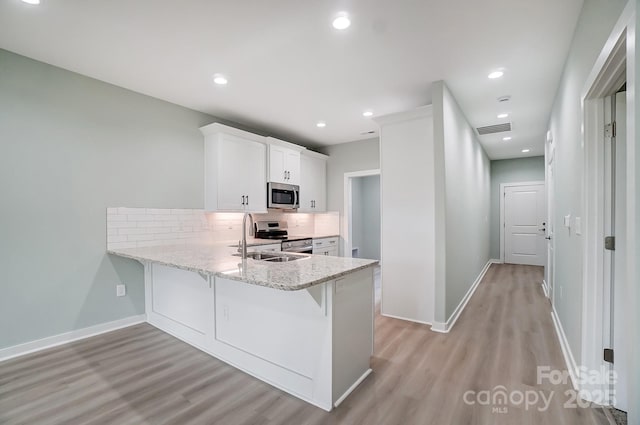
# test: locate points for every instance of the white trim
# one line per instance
(406, 319)
(545, 288)
(420, 112)
(496, 261)
(353, 387)
(503, 187)
(569, 360)
(446, 327)
(67, 337)
(347, 208)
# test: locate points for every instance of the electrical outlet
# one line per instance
(121, 290)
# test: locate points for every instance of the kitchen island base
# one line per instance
(314, 343)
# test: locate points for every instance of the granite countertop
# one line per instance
(258, 242)
(217, 259)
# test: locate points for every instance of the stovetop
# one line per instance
(284, 238)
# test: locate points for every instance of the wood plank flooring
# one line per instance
(140, 375)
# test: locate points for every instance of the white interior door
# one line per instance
(524, 225)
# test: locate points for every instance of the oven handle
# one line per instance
(305, 250)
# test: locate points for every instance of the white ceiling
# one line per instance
(288, 68)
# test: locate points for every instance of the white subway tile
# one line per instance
(121, 224)
(121, 245)
(132, 231)
(140, 237)
(116, 238)
(116, 217)
(124, 210)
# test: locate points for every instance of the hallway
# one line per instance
(141, 375)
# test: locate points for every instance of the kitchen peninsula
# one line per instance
(304, 326)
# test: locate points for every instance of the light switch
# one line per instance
(577, 226)
(567, 221)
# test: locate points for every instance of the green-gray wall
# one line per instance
(467, 194)
(510, 171)
(594, 26)
(71, 147)
(365, 213)
(348, 157)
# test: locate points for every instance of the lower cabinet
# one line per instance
(326, 246)
(314, 343)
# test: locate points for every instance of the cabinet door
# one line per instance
(241, 173)
(292, 166)
(320, 185)
(277, 161)
(307, 184)
(254, 173)
(313, 184)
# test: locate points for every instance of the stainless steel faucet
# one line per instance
(243, 242)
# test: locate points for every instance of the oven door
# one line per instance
(284, 196)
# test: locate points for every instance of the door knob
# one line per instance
(548, 238)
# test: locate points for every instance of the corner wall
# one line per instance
(467, 196)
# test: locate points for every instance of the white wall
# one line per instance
(467, 194)
(408, 181)
(595, 23)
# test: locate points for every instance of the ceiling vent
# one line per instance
(492, 129)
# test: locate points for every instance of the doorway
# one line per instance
(362, 217)
(523, 223)
(549, 271)
(609, 203)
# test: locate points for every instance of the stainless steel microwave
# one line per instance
(283, 196)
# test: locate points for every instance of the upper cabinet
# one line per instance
(284, 161)
(235, 170)
(313, 182)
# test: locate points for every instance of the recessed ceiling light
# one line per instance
(367, 114)
(220, 79)
(506, 139)
(31, 1)
(504, 115)
(495, 74)
(342, 21)
(321, 124)
(526, 150)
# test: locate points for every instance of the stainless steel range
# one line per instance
(278, 230)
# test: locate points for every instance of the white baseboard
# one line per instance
(572, 366)
(405, 318)
(64, 338)
(440, 327)
(446, 327)
(496, 261)
(353, 387)
(545, 288)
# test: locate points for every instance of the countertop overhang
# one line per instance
(218, 260)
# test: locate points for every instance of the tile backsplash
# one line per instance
(139, 227)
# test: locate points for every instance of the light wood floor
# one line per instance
(140, 375)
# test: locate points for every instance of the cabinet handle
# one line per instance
(242, 199)
(285, 174)
(247, 200)
(332, 241)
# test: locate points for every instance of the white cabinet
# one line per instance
(284, 162)
(235, 170)
(313, 182)
(272, 247)
(326, 246)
